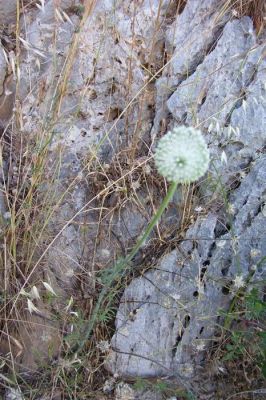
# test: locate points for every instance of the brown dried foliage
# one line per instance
(256, 9)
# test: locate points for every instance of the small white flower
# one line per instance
(182, 155)
(200, 345)
(199, 209)
(255, 253)
(239, 282)
(103, 346)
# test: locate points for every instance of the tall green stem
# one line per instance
(120, 267)
(153, 222)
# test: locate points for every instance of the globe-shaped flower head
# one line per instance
(182, 155)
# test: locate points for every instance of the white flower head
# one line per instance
(200, 345)
(239, 282)
(103, 346)
(255, 253)
(182, 155)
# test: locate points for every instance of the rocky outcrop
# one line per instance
(178, 302)
(8, 12)
(168, 317)
(93, 97)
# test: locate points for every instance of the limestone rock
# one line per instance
(168, 317)
(8, 12)
(226, 97)
(212, 90)
(187, 41)
(2, 70)
(192, 33)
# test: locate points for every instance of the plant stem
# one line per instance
(153, 222)
(123, 264)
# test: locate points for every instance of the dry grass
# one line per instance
(27, 236)
(256, 9)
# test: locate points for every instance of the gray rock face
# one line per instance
(168, 317)
(192, 32)
(245, 118)
(226, 97)
(213, 89)
(2, 70)
(187, 42)
(8, 12)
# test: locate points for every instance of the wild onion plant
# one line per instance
(181, 156)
